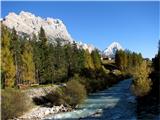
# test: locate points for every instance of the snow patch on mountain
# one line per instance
(111, 50)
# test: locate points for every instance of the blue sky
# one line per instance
(133, 24)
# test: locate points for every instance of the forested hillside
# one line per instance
(35, 60)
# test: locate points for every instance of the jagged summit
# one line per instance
(111, 50)
(28, 23)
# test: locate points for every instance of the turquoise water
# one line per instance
(110, 103)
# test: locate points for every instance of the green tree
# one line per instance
(36, 56)
(121, 59)
(74, 58)
(7, 65)
(43, 52)
(155, 75)
(16, 51)
(60, 63)
(156, 60)
(69, 57)
(50, 75)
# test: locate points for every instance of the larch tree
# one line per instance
(28, 66)
(96, 59)
(88, 60)
(7, 64)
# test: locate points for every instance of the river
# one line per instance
(113, 103)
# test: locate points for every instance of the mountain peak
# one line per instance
(111, 50)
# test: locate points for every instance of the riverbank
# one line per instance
(44, 107)
(40, 112)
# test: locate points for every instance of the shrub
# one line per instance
(75, 92)
(71, 94)
(13, 103)
(56, 97)
(141, 84)
(141, 87)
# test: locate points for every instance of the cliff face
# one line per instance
(28, 23)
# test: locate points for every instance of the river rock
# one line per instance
(98, 113)
(46, 112)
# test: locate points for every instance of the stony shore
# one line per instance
(39, 112)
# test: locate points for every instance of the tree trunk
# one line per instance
(17, 82)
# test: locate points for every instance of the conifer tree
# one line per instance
(60, 61)
(96, 59)
(16, 51)
(156, 60)
(73, 59)
(68, 53)
(155, 75)
(88, 61)
(43, 49)
(7, 68)
(50, 74)
(36, 56)
(125, 60)
(28, 66)
(119, 59)
(81, 60)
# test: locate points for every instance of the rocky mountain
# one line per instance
(111, 50)
(28, 23)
